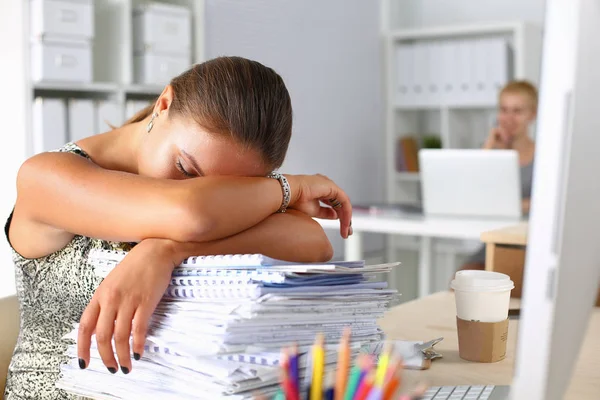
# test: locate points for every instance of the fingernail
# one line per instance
(351, 231)
(137, 356)
(81, 363)
(125, 370)
(112, 370)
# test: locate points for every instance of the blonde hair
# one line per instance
(522, 87)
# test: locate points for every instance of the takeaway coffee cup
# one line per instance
(482, 296)
(482, 302)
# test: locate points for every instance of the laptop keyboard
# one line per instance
(480, 392)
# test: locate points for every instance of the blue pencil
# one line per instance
(294, 375)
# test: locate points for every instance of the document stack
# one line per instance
(223, 320)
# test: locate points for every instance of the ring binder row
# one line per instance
(225, 259)
(260, 274)
(208, 282)
(250, 291)
(221, 260)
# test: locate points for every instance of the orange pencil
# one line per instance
(390, 388)
(343, 364)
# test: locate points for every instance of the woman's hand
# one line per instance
(309, 190)
(498, 138)
(123, 304)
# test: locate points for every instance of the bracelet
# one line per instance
(285, 189)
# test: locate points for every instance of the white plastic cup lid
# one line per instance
(481, 281)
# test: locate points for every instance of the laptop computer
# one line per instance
(470, 183)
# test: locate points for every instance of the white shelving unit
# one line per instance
(458, 124)
(112, 58)
(461, 125)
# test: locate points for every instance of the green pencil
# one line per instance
(279, 395)
(353, 382)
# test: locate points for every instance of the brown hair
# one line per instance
(237, 97)
(522, 87)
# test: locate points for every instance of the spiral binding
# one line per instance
(248, 291)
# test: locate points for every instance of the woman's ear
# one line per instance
(164, 101)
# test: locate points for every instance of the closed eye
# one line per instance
(183, 170)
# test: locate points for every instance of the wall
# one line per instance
(422, 13)
(328, 53)
(14, 122)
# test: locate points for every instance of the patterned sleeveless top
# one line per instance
(53, 292)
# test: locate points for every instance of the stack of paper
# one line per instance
(219, 329)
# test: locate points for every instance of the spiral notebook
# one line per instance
(235, 261)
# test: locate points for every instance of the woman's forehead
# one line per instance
(221, 155)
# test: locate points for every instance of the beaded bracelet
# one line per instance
(285, 188)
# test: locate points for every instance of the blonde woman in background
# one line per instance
(517, 110)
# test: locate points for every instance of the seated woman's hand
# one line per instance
(308, 191)
(124, 303)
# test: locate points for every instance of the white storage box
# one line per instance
(49, 124)
(162, 28)
(64, 18)
(61, 61)
(159, 69)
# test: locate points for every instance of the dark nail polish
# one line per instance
(112, 370)
(125, 370)
(81, 363)
(137, 356)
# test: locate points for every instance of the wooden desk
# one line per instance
(435, 316)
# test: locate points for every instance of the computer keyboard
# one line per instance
(480, 392)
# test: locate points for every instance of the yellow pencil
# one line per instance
(382, 367)
(342, 366)
(318, 359)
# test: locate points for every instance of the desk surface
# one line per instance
(417, 225)
(514, 235)
(435, 316)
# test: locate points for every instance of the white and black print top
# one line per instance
(53, 292)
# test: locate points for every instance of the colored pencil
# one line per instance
(330, 386)
(365, 386)
(316, 386)
(343, 365)
(382, 366)
(391, 387)
(294, 375)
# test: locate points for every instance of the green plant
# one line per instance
(431, 142)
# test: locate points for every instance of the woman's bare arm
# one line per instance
(291, 236)
(61, 194)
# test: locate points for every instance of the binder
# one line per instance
(434, 74)
(108, 114)
(81, 119)
(448, 71)
(420, 75)
(464, 58)
(482, 95)
(49, 124)
(404, 75)
(499, 58)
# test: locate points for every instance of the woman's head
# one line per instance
(227, 116)
(517, 108)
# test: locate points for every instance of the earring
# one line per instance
(151, 123)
